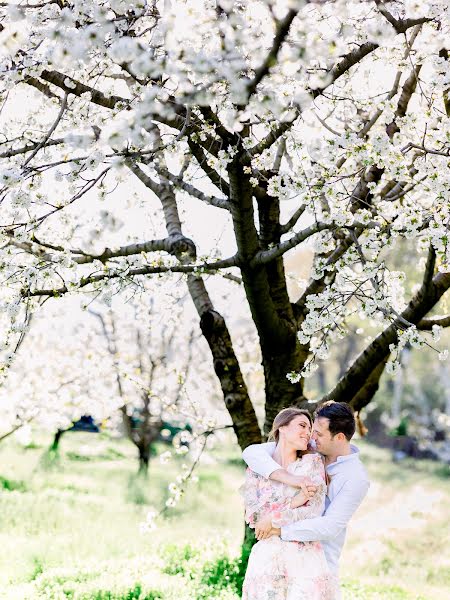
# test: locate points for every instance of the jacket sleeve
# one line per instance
(336, 518)
(259, 458)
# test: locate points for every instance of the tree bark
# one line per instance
(212, 323)
(144, 458)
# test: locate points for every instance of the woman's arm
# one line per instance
(259, 459)
(297, 512)
(295, 509)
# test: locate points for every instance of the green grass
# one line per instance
(69, 527)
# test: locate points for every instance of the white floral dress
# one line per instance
(279, 570)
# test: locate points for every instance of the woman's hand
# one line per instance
(301, 498)
(307, 487)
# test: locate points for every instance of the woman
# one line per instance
(279, 570)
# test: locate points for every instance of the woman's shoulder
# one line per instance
(312, 455)
(311, 458)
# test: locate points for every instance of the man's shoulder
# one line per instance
(358, 467)
(357, 475)
(355, 471)
(266, 448)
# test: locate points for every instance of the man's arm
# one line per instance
(338, 514)
(259, 458)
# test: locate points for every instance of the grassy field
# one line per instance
(72, 531)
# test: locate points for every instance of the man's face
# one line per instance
(325, 443)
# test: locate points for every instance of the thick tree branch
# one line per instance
(317, 285)
(356, 376)
(267, 256)
(193, 191)
(30, 147)
(428, 324)
(42, 87)
(50, 131)
(128, 273)
(351, 59)
(293, 220)
(72, 86)
(344, 65)
(270, 138)
(220, 183)
(443, 53)
(429, 267)
(164, 244)
(213, 325)
(210, 116)
(400, 25)
(281, 33)
(408, 89)
(365, 394)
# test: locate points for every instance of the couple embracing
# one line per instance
(300, 492)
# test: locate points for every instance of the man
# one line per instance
(334, 427)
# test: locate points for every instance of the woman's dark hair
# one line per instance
(284, 417)
(340, 416)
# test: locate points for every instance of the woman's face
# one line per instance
(297, 433)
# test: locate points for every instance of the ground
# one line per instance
(72, 529)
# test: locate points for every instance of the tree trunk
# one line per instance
(57, 438)
(144, 459)
(226, 366)
(280, 392)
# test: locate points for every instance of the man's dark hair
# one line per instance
(340, 416)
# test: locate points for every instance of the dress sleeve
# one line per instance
(284, 514)
(256, 494)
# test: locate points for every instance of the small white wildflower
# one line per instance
(293, 377)
(443, 355)
(69, 83)
(436, 331)
(165, 457)
(302, 338)
(150, 522)
(392, 367)
(173, 488)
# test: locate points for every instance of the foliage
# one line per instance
(75, 530)
(211, 577)
(12, 485)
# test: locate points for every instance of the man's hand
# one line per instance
(263, 527)
(271, 532)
